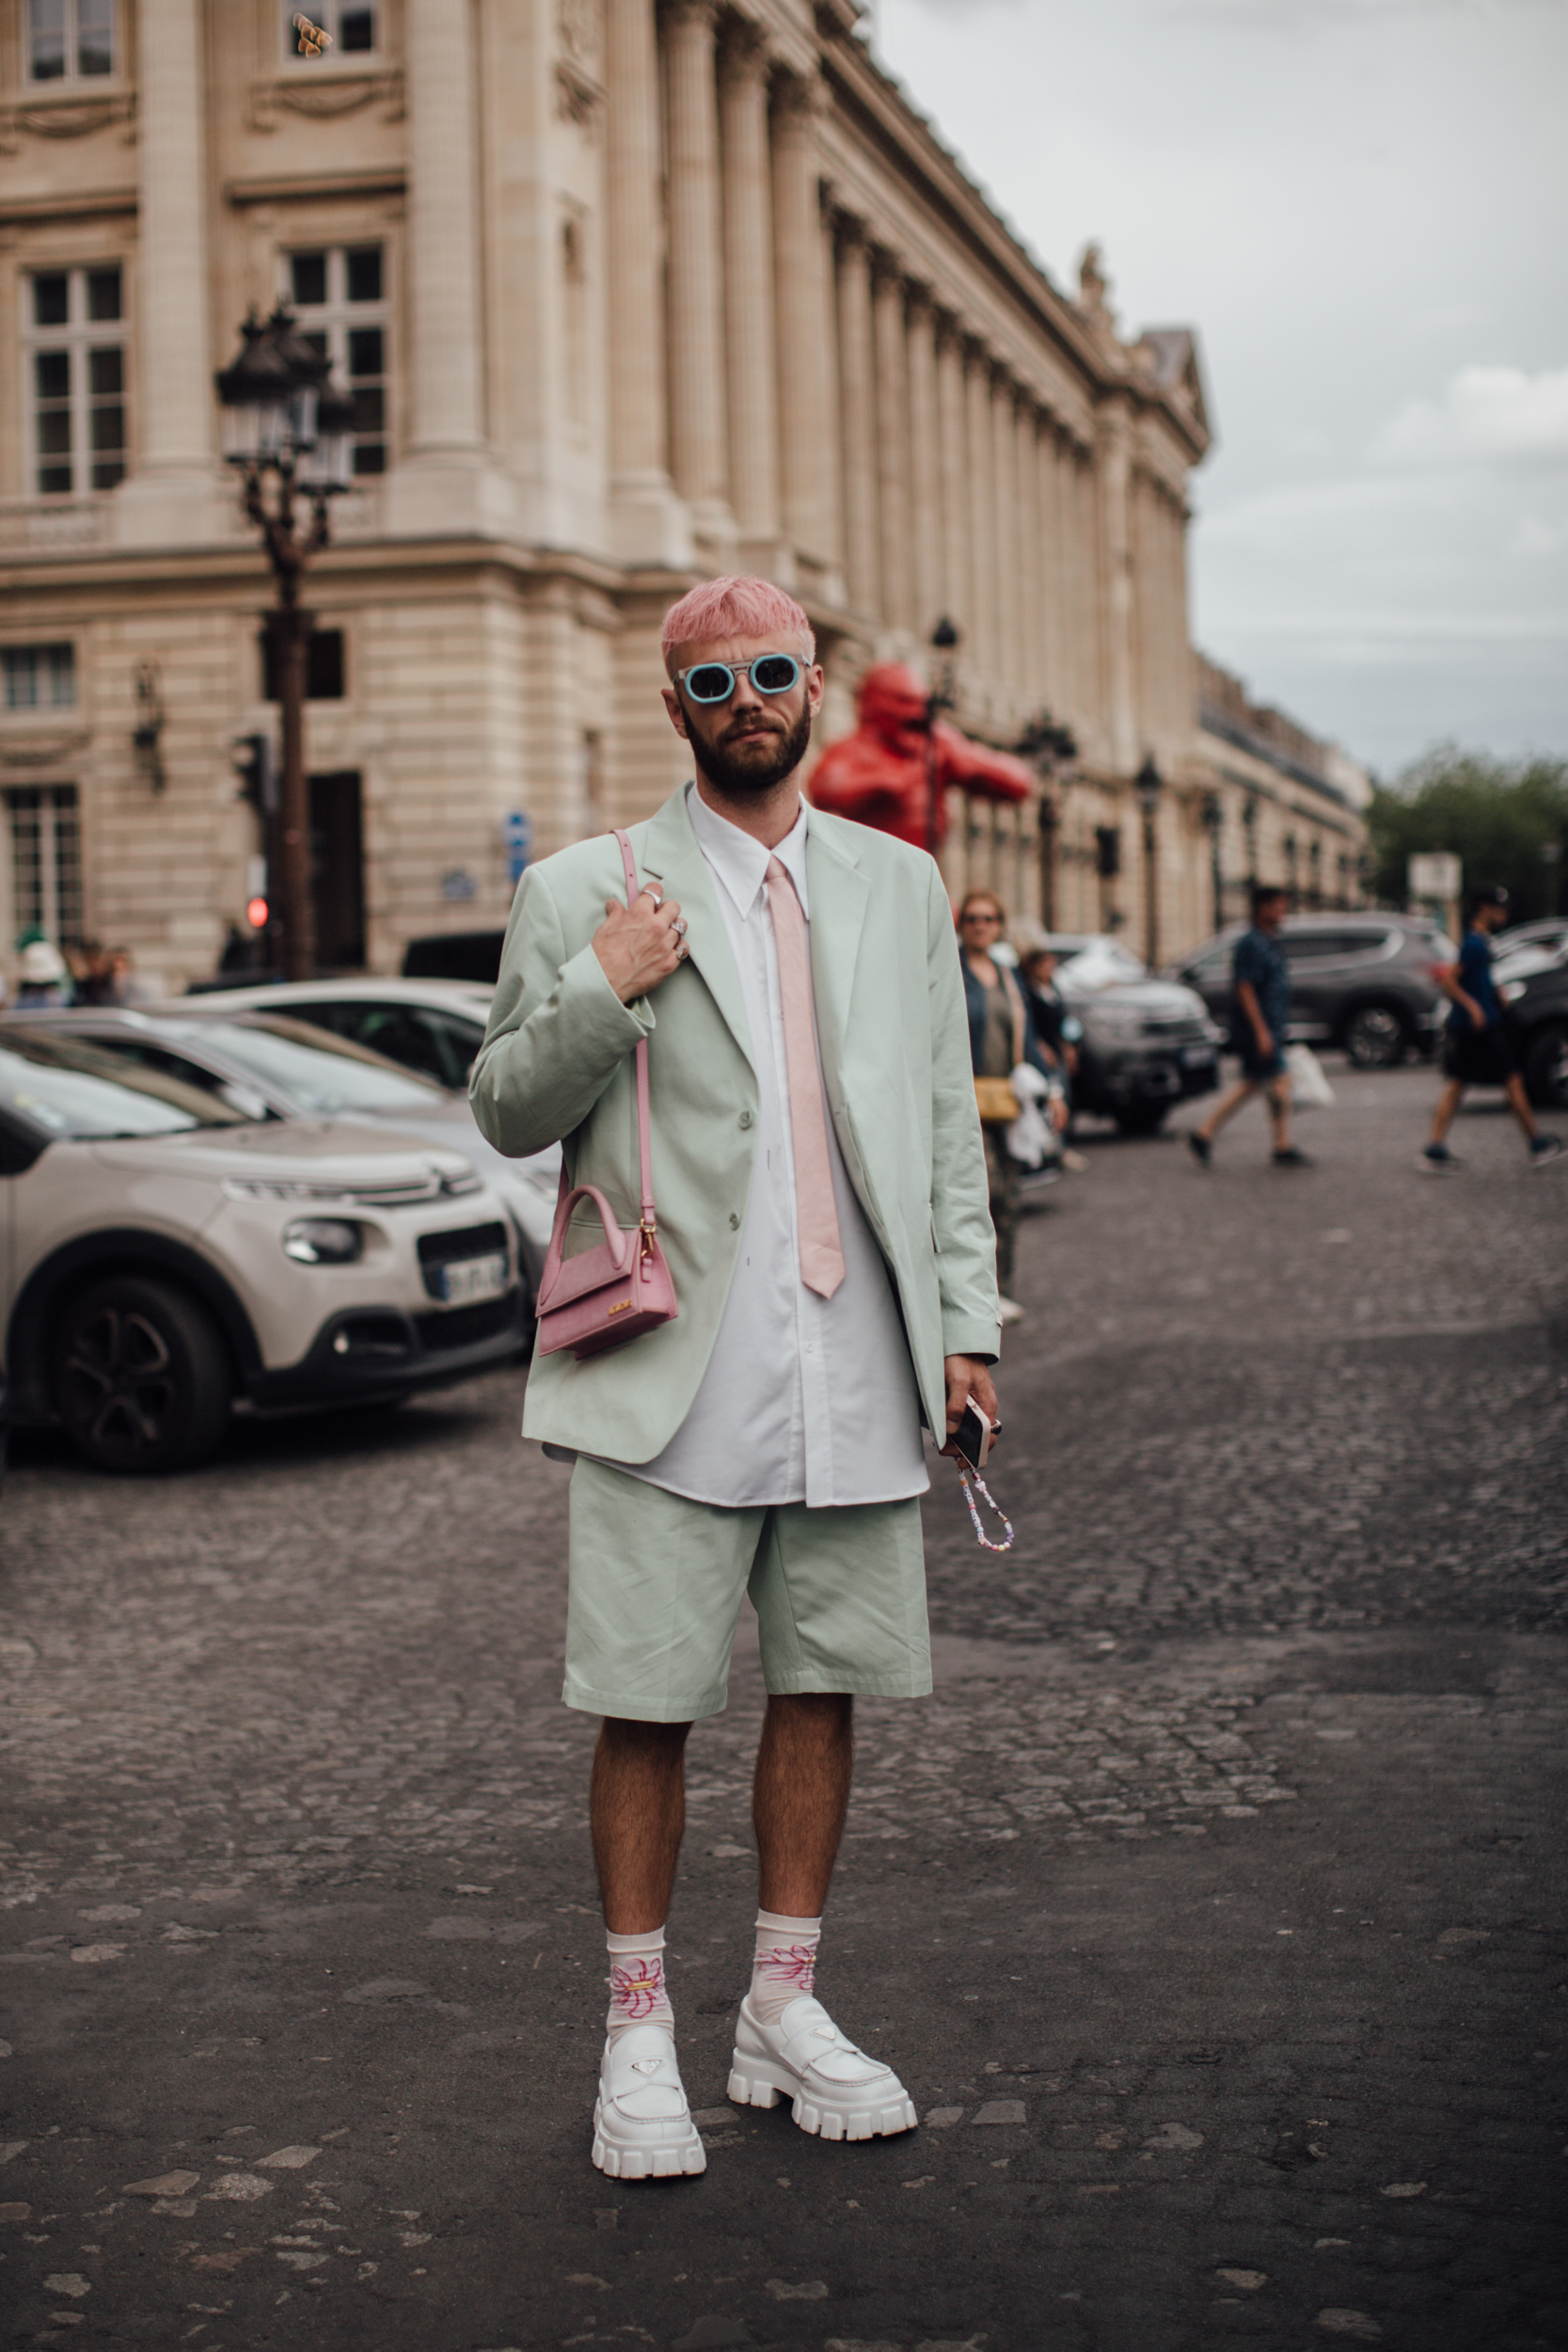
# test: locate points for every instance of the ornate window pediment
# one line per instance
(325, 98)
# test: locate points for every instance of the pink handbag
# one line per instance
(620, 1289)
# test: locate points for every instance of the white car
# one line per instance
(167, 1258)
(434, 1026)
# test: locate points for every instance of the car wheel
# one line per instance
(1142, 1119)
(1546, 1070)
(1375, 1036)
(140, 1376)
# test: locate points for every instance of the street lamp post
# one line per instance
(1147, 783)
(1213, 825)
(284, 419)
(943, 694)
(1048, 748)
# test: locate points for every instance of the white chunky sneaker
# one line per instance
(802, 2057)
(643, 2127)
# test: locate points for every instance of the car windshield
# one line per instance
(74, 1091)
(1099, 963)
(323, 1076)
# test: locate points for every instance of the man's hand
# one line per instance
(967, 1376)
(641, 944)
(1477, 1016)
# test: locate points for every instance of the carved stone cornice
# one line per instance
(72, 117)
(325, 99)
(42, 751)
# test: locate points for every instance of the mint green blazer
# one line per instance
(556, 1065)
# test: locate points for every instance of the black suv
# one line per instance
(1360, 981)
(1144, 1044)
(1537, 1013)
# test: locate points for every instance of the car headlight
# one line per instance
(322, 1241)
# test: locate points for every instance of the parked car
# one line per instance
(272, 1066)
(1362, 983)
(173, 1255)
(1145, 1044)
(1537, 1003)
(1546, 934)
(434, 1026)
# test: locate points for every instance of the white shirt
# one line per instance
(805, 1398)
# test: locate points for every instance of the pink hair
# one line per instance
(728, 607)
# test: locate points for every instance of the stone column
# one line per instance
(647, 525)
(748, 234)
(1031, 650)
(1005, 488)
(956, 596)
(1115, 547)
(895, 536)
(173, 492)
(858, 420)
(1048, 528)
(980, 453)
(807, 392)
(925, 478)
(699, 457)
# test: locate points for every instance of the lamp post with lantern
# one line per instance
(1148, 784)
(288, 436)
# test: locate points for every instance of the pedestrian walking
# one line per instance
(1048, 1013)
(44, 976)
(1475, 1047)
(1260, 985)
(817, 1192)
(1001, 1036)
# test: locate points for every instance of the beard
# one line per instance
(742, 767)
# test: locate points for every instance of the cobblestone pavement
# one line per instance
(1212, 1910)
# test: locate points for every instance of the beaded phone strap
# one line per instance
(984, 1491)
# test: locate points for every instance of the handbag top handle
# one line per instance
(644, 1141)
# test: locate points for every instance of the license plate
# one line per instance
(474, 1277)
(1195, 1057)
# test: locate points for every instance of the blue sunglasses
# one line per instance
(714, 682)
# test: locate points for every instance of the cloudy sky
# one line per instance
(1362, 205)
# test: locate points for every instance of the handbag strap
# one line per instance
(644, 1138)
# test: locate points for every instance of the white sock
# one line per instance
(785, 1962)
(637, 1992)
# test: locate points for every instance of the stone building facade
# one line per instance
(623, 293)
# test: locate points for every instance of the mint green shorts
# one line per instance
(657, 1583)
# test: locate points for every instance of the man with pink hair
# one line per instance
(820, 1187)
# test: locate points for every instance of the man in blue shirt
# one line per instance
(1476, 1048)
(1261, 982)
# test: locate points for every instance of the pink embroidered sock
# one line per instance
(637, 1994)
(784, 1963)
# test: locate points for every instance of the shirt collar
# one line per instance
(741, 861)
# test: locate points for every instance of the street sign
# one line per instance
(1435, 874)
(517, 836)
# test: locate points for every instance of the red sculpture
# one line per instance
(879, 775)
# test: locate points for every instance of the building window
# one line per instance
(353, 24)
(39, 677)
(46, 863)
(75, 360)
(336, 293)
(70, 41)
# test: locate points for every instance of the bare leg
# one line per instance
(800, 1798)
(1519, 1104)
(1278, 1093)
(1448, 1103)
(1228, 1105)
(637, 1807)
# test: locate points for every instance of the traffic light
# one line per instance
(1107, 851)
(257, 770)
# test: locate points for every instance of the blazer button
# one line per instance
(734, 1222)
(745, 1118)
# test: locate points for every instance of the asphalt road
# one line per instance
(1213, 1910)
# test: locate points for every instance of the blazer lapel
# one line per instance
(839, 897)
(671, 858)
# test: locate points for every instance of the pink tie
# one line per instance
(817, 1212)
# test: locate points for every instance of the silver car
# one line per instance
(168, 1256)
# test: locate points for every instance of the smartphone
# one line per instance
(974, 1435)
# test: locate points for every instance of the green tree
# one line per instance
(1506, 820)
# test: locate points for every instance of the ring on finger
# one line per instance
(680, 927)
(648, 891)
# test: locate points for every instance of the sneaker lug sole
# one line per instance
(758, 2083)
(668, 2162)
